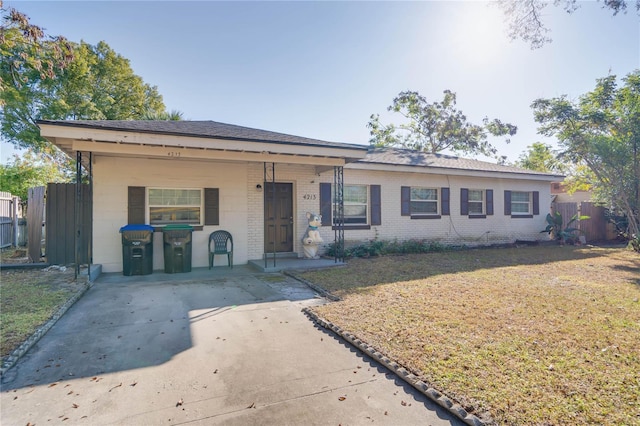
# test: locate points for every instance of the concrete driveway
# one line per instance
(206, 347)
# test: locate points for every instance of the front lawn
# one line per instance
(536, 335)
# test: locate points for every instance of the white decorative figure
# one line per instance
(312, 237)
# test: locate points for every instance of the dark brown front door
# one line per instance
(278, 217)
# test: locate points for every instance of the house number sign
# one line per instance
(309, 196)
(173, 154)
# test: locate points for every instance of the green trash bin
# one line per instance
(137, 249)
(177, 248)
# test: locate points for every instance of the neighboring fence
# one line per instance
(594, 228)
(61, 224)
(6, 219)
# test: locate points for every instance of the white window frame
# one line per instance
(482, 202)
(161, 223)
(367, 205)
(412, 200)
(529, 204)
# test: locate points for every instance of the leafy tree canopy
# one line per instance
(602, 132)
(98, 84)
(46, 77)
(435, 127)
(26, 172)
(542, 158)
(525, 17)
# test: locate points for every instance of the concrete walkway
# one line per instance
(207, 347)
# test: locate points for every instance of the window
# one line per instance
(168, 206)
(355, 204)
(520, 203)
(476, 202)
(424, 201)
(362, 205)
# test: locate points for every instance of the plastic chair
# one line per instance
(222, 244)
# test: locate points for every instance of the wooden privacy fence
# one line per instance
(594, 228)
(61, 224)
(35, 210)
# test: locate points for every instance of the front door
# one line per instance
(278, 217)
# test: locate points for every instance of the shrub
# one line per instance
(375, 248)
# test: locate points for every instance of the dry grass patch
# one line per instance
(540, 335)
(28, 299)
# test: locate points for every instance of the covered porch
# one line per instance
(245, 166)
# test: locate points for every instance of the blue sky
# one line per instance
(320, 69)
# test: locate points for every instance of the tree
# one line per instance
(98, 84)
(173, 115)
(540, 157)
(435, 127)
(26, 172)
(29, 60)
(524, 17)
(602, 132)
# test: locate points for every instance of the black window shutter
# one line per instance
(325, 203)
(536, 203)
(405, 201)
(376, 205)
(211, 206)
(489, 196)
(507, 203)
(464, 201)
(444, 194)
(136, 205)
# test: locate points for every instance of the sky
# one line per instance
(320, 69)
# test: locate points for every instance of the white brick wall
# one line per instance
(452, 229)
(242, 208)
(113, 175)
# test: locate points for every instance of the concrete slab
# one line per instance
(203, 349)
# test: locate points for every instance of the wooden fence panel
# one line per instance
(567, 210)
(6, 219)
(35, 210)
(594, 228)
(61, 223)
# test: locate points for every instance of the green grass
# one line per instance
(28, 299)
(538, 335)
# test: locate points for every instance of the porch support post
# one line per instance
(90, 218)
(266, 177)
(338, 213)
(78, 212)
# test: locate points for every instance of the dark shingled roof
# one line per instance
(200, 129)
(406, 157)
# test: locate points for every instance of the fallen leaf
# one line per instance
(133, 384)
(15, 397)
(342, 398)
(52, 385)
(386, 414)
(404, 404)
(179, 403)
(253, 405)
(116, 386)
(215, 372)
(70, 392)
(75, 405)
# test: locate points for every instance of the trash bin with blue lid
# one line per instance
(177, 248)
(137, 249)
